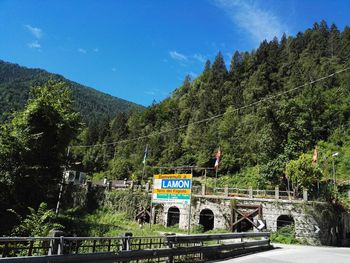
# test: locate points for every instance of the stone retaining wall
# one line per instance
(333, 222)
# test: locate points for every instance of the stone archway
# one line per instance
(284, 220)
(206, 219)
(173, 216)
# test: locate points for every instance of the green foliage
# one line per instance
(341, 162)
(119, 168)
(303, 173)
(33, 148)
(256, 142)
(37, 223)
(285, 235)
(128, 202)
(198, 229)
(106, 222)
(248, 177)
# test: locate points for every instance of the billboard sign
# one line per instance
(172, 188)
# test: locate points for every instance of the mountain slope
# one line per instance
(260, 112)
(16, 81)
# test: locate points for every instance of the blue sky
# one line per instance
(142, 50)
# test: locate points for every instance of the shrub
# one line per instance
(285, 235)
(37, 223)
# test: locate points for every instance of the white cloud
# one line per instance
(34, 45)
(177, 56)
(37, 32)
(261, 24)
(199, 57)
(81, 50)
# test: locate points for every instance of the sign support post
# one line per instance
(190, 208)
(151, 219)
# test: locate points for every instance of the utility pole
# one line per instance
(333, 164)
(144, 164)
(62, 184)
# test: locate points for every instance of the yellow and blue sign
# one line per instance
(172, 188)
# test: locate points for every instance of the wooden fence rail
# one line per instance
(167, 248)
(246, 193)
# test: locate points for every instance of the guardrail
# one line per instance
(167, 248)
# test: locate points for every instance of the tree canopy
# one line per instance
(33, 146)
(260, 111)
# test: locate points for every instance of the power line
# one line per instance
(215, 116)
(182, 168)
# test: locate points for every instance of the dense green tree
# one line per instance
(38, 223)
(33, 148)
(222, 107)
(259, 112)
(302, 173)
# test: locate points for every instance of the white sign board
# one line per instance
(172, 188)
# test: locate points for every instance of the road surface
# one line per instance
(297, 254)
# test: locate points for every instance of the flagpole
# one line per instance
(151, 221)
(217, 156)
(62, 184)
(143, 171)
(144, 164)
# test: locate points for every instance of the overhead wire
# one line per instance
(215, 116)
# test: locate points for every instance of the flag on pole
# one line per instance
(217, 156)
(145, 155)
(315, 156)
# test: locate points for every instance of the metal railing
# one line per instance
(167, 248)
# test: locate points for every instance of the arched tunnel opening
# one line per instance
(284, 220)
(173, 216)
(206, 219)
(147, 215)
(244, 225)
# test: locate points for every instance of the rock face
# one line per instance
(317, 223)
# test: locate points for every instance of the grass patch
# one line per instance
(285, 235)
(104, 222)
(108, 223)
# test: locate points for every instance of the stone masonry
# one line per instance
(308, 216)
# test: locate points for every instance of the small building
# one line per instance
(75, 177)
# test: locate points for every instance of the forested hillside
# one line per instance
(266, 112)
(16, 81)
(258, 111)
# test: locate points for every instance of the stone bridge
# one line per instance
(315, 222)
(240, 210)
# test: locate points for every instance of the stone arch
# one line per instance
(206, 219)
(284, 220)
(173, 216)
